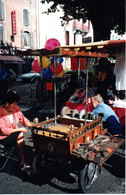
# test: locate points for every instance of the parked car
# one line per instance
(27, 77)
(12, 75)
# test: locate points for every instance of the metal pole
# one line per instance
(54, 90)
(87, 66)
(41, 67)
(78, 73)
(78, 68)
(41, 77)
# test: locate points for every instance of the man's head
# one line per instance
(96, 99)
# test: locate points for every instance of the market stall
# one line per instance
(102, 49)
(106, 49)
(78, 144)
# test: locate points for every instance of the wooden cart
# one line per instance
(72, 143)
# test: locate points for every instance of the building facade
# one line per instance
(52, 26)
(18, 23)
(18, 30)
(25, 25)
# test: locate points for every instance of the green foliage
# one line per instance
(105, 15)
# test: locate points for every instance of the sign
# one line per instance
(13, 19)
(49, 86)
(4, 51)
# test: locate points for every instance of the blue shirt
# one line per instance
(110, 119)
(4, 73)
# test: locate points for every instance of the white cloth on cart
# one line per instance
(119, 103)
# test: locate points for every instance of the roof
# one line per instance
(96, 49)
(37, 52)
(101, 49)
(11, 59)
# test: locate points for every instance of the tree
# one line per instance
(105, 15)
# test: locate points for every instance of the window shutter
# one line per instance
(2, 34)
(24, 17)
(0, 10)
(32, 40)
(22, 38)
(2, 14)
(26, 20)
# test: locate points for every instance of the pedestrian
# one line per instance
(10, 132)
(4, 80)
(110, 119)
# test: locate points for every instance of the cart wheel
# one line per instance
(88, 176)
(38, 162)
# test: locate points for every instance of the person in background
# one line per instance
(10, 132)
(103, 84)
(5, 82)
(110, 119)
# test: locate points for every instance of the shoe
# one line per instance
(26, 167)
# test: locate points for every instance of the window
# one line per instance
(74, 39)
(2, 34)
(2, 13)
(27, 39)
(26, 19)
(67, 37)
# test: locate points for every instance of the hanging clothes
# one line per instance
(120, 72)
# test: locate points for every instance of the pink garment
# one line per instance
(5, 124)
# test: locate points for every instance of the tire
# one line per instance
(38, 164)
(37, 81)
(87, 176)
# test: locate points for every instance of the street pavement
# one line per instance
(13, 181)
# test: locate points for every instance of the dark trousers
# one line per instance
(11, 139)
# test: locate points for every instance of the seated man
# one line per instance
(110, 119)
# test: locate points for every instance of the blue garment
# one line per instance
(4, 73)
(4, 82)
(110, 119)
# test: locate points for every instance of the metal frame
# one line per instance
(8, 154)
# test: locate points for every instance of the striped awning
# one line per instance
(101, 49)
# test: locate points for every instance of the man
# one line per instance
(110, 119)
